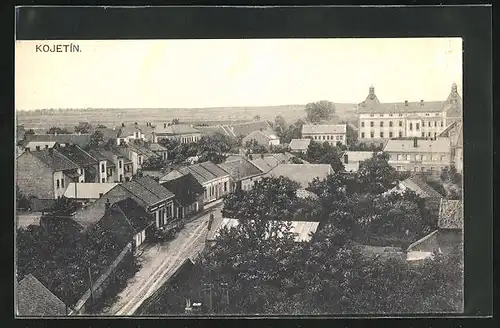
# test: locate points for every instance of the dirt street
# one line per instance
(159, 261)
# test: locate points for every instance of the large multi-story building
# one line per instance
(331, 133)
(428, 155)
(420, 119)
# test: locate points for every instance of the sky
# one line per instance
(237, 72)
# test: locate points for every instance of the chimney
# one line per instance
(406, 103)
(123, 125)
(415, 143)
(346, 159)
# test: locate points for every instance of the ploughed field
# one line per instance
(68, 118)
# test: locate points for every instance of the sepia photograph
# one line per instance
(222, 177)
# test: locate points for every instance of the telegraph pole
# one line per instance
(91, 284)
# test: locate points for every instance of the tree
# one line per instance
(83, 127)
(175, 121)
(58, 130)
(256, 118)
(29, 132)
(319, 111)
(101, 126)
(153, 163)
(253, 147)
(279, 123)
(325, 153)
(97, 139)
(375, 175)
(22, 202)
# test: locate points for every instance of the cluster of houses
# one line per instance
(118, 195)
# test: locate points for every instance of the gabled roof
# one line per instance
(36, 300)
(175, 129)
(244, 129)
(81, 140)
(299, 144)
(142, 150)
(323, 128)
(54, 160)
(240, 169)
(147, 190)
(217, 129)
(122, 152)
(136, 217)
(451, 214)
(423, 145)
(185, 188)
(420, 187)
(41, 144)
(265, 163)
(157, 147)
(108, 133)
(264, 134)
(78, 155)
(204, 172)
(87, 190)
(358, 156)
(100, 157)
(301, 173)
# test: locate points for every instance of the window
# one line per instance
(381, 134)
(400, 157)
(400, 114)
(411, 126)
(417, 126)
(169, 211)
(424, 157)
(371, 124)
(423, 124)
(362, 124)
(441, 123)
(62, 183)
(341, 137)
(390, 124)
(408, 157)
(324, 138)
(372, 134)
(390, 115)
(429, 134)
(103, 180)
(382, 124)
(121, 177)
(371, 115)
(225, 186)
(437, 114)
(46, 146)
(315, 137)
(120, 164)
(417, 157)
(435, 123)
(37, 147)
(362, 134)
(102, 168)
(100, 194)
(427, 114)
(423, 134)
(431, 168)
(400, 123)
(435, 134)
(381, 115)
(400, 134)
(443, 158)
(57, 183)
(390, 134)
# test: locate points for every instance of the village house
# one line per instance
(266, 162)
(415, 183)
(331, 133)
(189, 194)
(46, 173)
(115, 163)
(301, 173)
(264, 138)
(303, 230)
(352, 159)
(217, 129)
(39, 145)
(89, 164)
(419, 155)
(454, 133)
(128, 133)
(87, 192)
(109, 135)
(33, 299)
(107, 167)
(244, 129)
(243, 173)
(149, 194)
(448, 237)
(159, 150)
(214, 179)
(79, 139)
(181, 132)
(423, 119)
(128, 222)
(299, 146)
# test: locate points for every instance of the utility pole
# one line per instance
(208, 288)
(91, 284)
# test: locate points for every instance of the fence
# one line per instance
(100, 284)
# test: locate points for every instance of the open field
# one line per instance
(44, 119)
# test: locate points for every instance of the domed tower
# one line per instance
(454, 97)
(371, 99)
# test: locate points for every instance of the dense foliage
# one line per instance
(293, 131)
(59, 255)
(256, 267)
(58, 130)
(319, 111)
(83, 127)
(324, 153)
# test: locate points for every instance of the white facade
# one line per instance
(216, 188)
